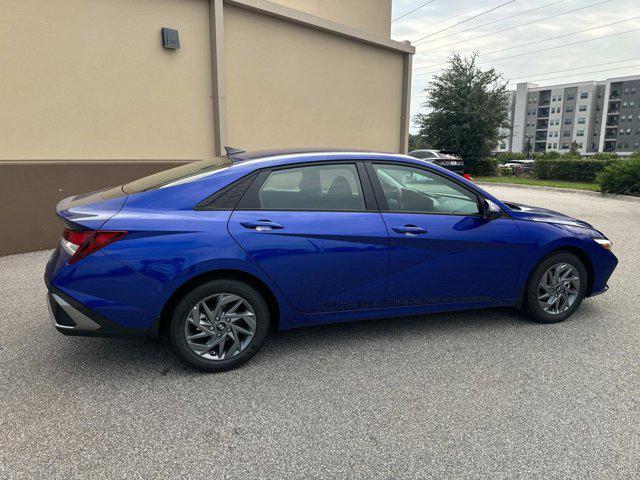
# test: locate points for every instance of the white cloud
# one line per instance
(441, 14)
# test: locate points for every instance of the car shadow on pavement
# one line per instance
(145, 356)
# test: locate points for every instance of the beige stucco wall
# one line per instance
(88, 79)
(293, 86)
(372, 16)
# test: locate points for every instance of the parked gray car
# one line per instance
(438, 157)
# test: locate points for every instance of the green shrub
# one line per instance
(551, 155)
(622, 176)
(505, 171)
(483, 167)
(604, 156)
(505, 157)
(573, 169)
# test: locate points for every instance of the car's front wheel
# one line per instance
(556, 289)
(219, 325)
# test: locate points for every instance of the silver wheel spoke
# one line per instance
(220, 326)
(559, 288)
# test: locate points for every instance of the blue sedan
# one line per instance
(214, 254)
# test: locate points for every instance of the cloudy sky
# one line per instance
(432, 29)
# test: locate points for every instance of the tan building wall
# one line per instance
(90, 99)
(292, 86)
(89, 79)
(369, 15)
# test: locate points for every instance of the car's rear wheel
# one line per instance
(556, 289)
(219, 325)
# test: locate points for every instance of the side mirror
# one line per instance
(490, 211)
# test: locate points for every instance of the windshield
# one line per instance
(183, 172)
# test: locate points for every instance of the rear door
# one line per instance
(316, 232)
(441, 249)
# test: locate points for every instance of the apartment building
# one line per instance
(95, 93)
(600, 116)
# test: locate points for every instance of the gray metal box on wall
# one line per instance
(170, 38)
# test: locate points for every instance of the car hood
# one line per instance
(537, 214)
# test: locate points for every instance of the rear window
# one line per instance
(181, 173)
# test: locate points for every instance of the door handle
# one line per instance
(410, 230)
(262, 225)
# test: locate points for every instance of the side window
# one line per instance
(409, 189)
(318, 187)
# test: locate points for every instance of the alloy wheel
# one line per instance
(220, 326)
(559, 288)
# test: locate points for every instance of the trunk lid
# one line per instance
(91, 210)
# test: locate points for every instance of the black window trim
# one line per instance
(251, 201)
(382, 199)
(208, 203)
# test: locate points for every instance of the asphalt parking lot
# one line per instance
(478, 394)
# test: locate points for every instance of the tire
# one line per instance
(224, 329)
(535, 291)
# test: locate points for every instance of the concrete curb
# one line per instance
(623, 198)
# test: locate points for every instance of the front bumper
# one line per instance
(72, 318)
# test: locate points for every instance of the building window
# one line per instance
(625, 104)
(628, 131)
(583, 108)
(626, 145)
(621, 131)
(632, 104)
(569, 109)
(555, 145)
(584, 95)
(619, 144)
(570, 96)
(582, 120)
(633, 90)
(580, 133)
(559, 97)
(623, 118)
(553, 99)
(635, 145)
(566, 134)
(593, 146)
(565, 146)
(626, 91)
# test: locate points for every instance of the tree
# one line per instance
(467, 107)
(575, 148)
(528, 147)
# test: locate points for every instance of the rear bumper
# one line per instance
(72, 318)
(454, 168)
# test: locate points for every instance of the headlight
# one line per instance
(604, 243)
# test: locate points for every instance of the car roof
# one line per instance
(263, 154)
(270, 158)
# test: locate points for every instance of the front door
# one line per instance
(312, 232)
(441, 250)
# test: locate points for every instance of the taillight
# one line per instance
(80, 243)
